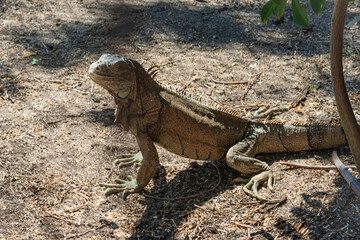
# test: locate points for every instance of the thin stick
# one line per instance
(83, 233)
(319, 167)
(195, 205)
(249, 106)
(273, 201)
(268, 113)
(79, 234)
(230, 83)
(170, 62)
(303, 93)
(352, 182)
(191, 196)
(248, 87)
(243, 225)
(8, 97)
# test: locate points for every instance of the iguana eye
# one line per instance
(97, 68)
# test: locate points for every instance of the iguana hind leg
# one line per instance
(239, 157)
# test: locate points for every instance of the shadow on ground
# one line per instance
(334, 221)
(315, 220)
(187, 191)
(68, 42)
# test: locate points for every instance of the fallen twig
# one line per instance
(273, 201)
(249, 85)
(191, 196)
(243, 225)
(195, 205)
(350, 179)
(192, 78)
(60, 218)
(250, 106)
(303, 93)
(75, 209)
(8, 97)
(230, 83)
(319, 167)
(170, 62)
(83, 233)
(269, 112)
(79, 234)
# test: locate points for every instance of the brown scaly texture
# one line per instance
(187, 127)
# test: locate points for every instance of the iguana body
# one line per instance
(190, 129)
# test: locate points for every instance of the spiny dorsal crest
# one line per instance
(199, 101)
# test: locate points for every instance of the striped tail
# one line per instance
(295, 138)
(298, 138)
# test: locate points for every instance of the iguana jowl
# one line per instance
(188, 128)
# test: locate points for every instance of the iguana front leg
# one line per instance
(239, 157)
(128, 160)
(145, 173)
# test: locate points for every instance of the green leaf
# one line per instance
(95, 99)
(267, 11)
(317, 6)
(299, 14)
(350, 0)
(280, 8)
(34, 61)
(14, 179)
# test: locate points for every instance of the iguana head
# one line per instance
(116, 74)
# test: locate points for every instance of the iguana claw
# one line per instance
(251, 188)
(130, 159)
(123, 186)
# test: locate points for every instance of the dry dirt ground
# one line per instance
(57, 144)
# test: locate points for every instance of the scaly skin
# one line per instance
(190, 129)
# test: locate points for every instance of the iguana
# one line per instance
(174, 121)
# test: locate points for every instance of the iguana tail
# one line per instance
(294, 138)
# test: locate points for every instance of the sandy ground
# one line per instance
(57, 144)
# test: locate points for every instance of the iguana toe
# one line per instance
(121, 186)
(111, 188)
(130, 159)
(251, 188)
